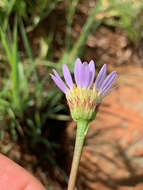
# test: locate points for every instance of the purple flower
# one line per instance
(84, 94)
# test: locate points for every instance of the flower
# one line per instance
(84, 95)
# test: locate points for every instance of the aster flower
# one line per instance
(85, 94)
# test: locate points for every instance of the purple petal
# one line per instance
(100, 77)
(56, 74)
(108, 82)
(67, 76)
(84, 75)
(111, 90)
(59, 82)
(77, 68)
(91, 72)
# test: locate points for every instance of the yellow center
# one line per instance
(82, 102)
(81, 93)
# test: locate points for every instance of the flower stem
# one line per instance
(82, 127)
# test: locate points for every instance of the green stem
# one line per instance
(82, 127)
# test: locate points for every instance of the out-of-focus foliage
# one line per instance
(32, 11)
(22, 91)
(126, 14)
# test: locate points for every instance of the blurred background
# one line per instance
(36, 129)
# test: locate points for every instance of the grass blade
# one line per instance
(14, 72)
(85, 31)
(25, 40)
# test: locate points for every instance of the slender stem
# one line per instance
(82, 127)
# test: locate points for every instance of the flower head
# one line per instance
(84, 95)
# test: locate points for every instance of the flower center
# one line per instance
(81, 93)
(82, 102)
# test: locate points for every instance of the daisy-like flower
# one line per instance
(85, 93)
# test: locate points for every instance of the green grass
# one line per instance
(129, 17)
